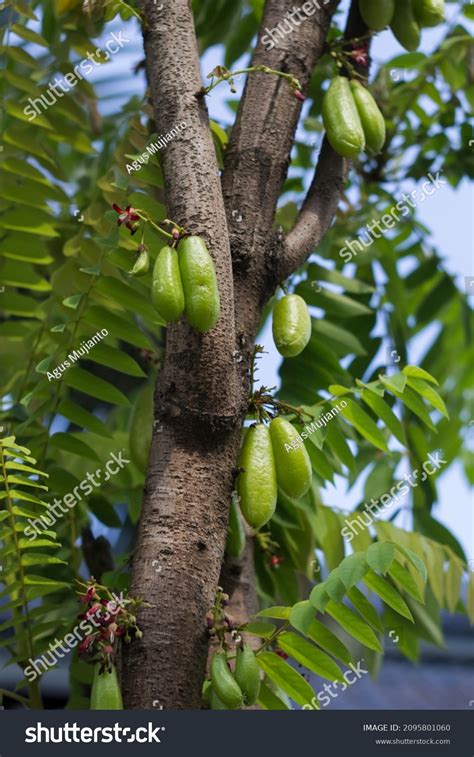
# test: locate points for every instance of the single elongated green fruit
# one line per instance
(224, 683)
(199, 279)
(291, 325)
(142, 263)
(377, 14)
(341, 119)
(106, 694)
(247, 673)
(141, 427)
(372, 121)
(236, 533)
(293, 466)
(167, 290)
(405, 26)
(215, 702)
(429, 12)
(257, 484)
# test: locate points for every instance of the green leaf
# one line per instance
(86, 382)
(414, 559)
(337, 442)
(319, 598)
(380, 556)
(365, 608)
(364, 425)
(10, 465)
(395, 383)
(429, 526)
(335, 304)
(414, 372)
(118, 327)
(119, 360)
(268, 700)
(310, 656)
(385, 413)
(33, 222)
(278, 612)
(453, 577)
(352, 569)
(72, 444)
(126, 296)
(81, 417)
(334, 586)
(405, 581)
(342, 338)
(29, 35)
(387, 592)
(40, 558)
(415, 404)
(73, 301)
(261, 629)
(354, 626)
(301, 616)
(284, 676)
(319, 273)
(321, 635)
(426, 391)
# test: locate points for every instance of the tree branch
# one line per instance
(325, 192)
(258, 153)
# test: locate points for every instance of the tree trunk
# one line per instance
(202, 390)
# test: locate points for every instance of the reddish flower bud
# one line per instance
(127, 216)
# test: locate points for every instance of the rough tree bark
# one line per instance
(202, 389)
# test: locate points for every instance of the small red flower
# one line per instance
(360, 55)
(94, 610)
(127, 216)
(88, 596)
(84, 645)
(281, 654)
(275, 560)
(299, 95)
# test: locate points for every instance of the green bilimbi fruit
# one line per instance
(377, 14)
(257, 484)
(106, 694)
(293, 466)
(236, 533)
(199, 280)
(372, 121)
(291, 324)
(167, 290)
(341, 119)
(142, 263)
(141, 428)
(429, 12)
(405, 26)
(223, 682)
(215, 702)
(247, 674)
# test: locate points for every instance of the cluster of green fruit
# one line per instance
(232, 690)
(352, 118)
(184, 281)
(291, 325)
(267, 465)
(405, 17)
